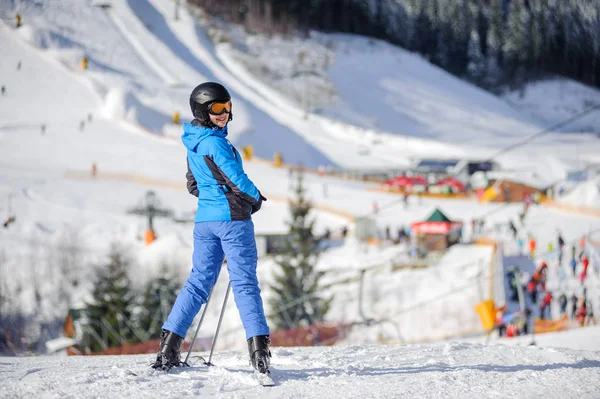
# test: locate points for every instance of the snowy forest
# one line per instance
(492, 43)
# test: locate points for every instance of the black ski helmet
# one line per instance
(204, 95)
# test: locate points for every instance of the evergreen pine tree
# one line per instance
(518, 39)
(516, 46)
(423, 39)
(477, 69)
(159, 295)
(110, 313)
(296, 282)
(497, 32)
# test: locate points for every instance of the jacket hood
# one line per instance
(194, 134)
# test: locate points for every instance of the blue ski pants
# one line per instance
(213, 240)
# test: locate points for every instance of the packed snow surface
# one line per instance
(586, 193)
(555, 100)
(450, 370)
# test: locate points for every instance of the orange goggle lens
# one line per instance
(220, 108)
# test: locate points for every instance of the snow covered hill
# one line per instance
(554, 100)
(451, 370)
(389, 100)
(388, 107)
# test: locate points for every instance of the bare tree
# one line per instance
(69, 258)
(5, 295)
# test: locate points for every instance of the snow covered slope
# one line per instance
(586, 193)
(394, 105)
(554, 100)
(452, 370)
(389, 107)
(581, 339)
(139, 58)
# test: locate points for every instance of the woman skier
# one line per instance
(223, 227)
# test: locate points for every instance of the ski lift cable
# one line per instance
(282, 308)
(444, 295)
(545, 131)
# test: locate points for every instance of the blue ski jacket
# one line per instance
(216, 176)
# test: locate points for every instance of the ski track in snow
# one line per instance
(434, 370)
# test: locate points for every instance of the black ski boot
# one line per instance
(260, 355)
(169, 354)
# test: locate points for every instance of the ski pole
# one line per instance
(198, 328)
(218, 325)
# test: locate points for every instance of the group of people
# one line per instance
(581, 308)
(536, 285)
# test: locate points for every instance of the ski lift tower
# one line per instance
(151, 207)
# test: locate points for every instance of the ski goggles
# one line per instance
(219, 108)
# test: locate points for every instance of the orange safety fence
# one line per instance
(138, 179)
(546, 326)
(582, 210)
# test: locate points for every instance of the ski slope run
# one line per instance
(451, 370)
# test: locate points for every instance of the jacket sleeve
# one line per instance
(232, 172)
(192, 185)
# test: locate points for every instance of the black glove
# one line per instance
(256, 207)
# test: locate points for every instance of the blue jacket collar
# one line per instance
(193, 135)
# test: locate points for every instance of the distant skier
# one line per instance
(501, 324)
(582, 277)
(539, 275)
(223, 226)
(532, 246)
(532, 289)
(512, 278)
(344, 231)
(585, 262)
(527, 324)
(513, 229)
(561, 241)
(3, 90)
(582, 312)
(574, 266)
(574, 301)
(562, 303)
(9, 220)
(546, 304)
